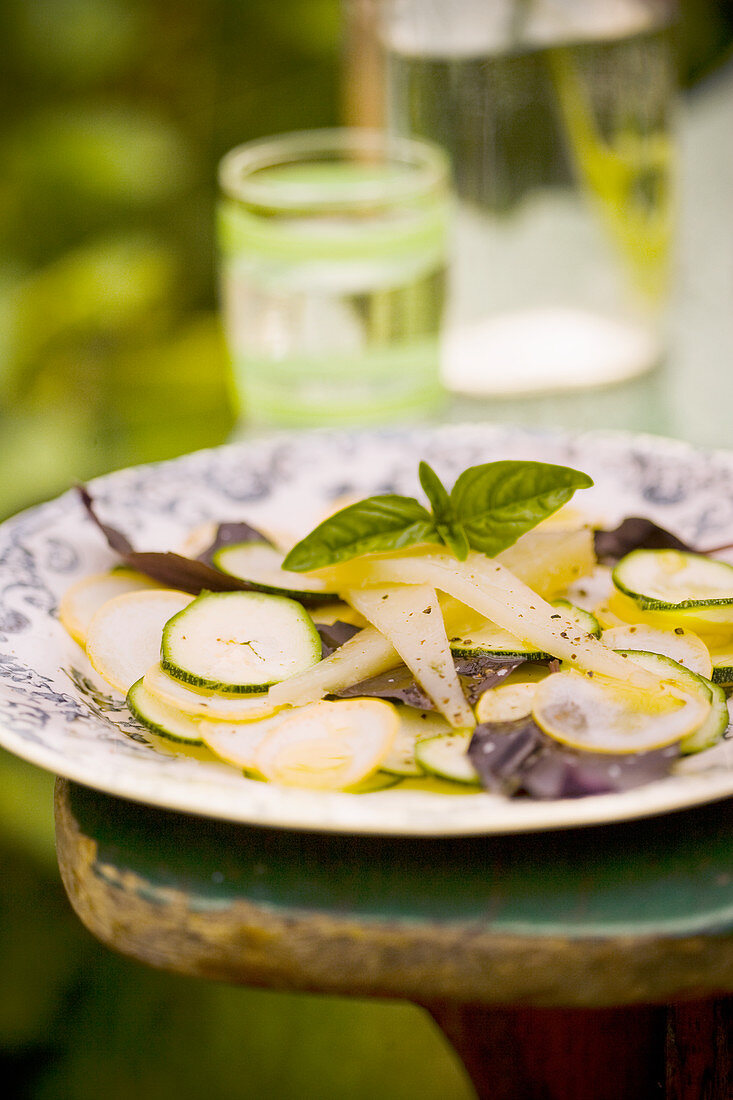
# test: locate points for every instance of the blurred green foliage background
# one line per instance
(115, 115)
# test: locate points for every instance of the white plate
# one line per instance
(55, 712)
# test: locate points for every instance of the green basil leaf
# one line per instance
(455, 539)
(449, 530)
(436, 493)
(497, 502)
(386, 522)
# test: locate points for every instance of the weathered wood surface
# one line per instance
(636, 913)
(546, 959)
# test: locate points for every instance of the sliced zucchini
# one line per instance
(237, 742)
(506, 703)
(239, 641)
(583, 619)
(679, 645)
(714, 728)
(722, 660)
(377, 781)
(716, 723)
(329, 745)
(489, 640)
(260, 564)
(123, 639)
(673, 580)
(82, 600)
(447, 756)
(160, 718)
(437, 784)
(415, 726)
(604, 715)
(528, 673)
(713, 624)
(206, 704)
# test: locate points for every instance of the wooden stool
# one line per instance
(579, 964)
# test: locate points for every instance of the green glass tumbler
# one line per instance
(333, 249)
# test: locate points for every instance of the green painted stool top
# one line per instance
(608, 914)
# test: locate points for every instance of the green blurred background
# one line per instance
(116, 113)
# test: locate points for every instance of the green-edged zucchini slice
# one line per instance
(668, 580)
(260, 564)
(489, 640)
(680, 645)
(715, 725)
(239, 641)
(377, 781)
(722, 659)
(447, 756)
(160, 718)
(206, 704)
(415, 726)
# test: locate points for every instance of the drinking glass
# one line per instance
(558, 119)
(333, 251)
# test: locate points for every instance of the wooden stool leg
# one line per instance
(700, 1050)
(559, 1054)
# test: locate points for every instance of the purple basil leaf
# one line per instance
(115, 539)
(635, 533)
(335, 634)
(518, 758)
(231, 534)
(398, 685)
(480, 674)
(172, 570)
(564, 773)
(499, 751)
(477, 674)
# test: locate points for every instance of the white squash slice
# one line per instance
(238, 742)
(123, 639)
(329, 746)
(506, 703)
(603, 715)
(82, 601)
(410, 617)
